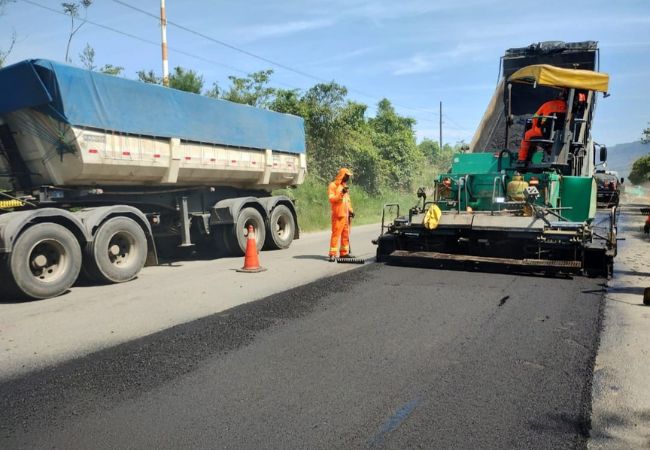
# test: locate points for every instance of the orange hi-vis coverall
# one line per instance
(548, 108)
(341, 209)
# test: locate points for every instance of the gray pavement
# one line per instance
(621, 390)
(379, 357)
(88, 318)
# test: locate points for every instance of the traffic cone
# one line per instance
(251, 261)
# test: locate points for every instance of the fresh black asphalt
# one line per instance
(379, 357)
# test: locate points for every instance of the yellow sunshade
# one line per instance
(547, 75)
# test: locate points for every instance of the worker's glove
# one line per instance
(345, 189)
(351, 214)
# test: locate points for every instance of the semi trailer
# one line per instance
(97, 173)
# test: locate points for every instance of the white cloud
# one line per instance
(424, 63)
(256, 32)
(417, 63)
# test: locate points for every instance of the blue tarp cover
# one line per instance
(84, 98)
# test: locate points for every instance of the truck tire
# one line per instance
(45, 261)
(118, 251)
(247, 216)
(281, 229)
(220, 234)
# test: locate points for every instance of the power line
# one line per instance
(256, 56)
(141, 39)
(210, 61)
(456, 125)
(225, 44)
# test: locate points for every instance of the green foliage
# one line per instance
(287, 101)
(149, 77)
(646, 136)
(214, 91)
(381, 151)
(87, 57)
(110, 69)
(394, 138)
(314, 209)
(429, 148)
(182, 79)
(251, 90)
(640, 170)
(186, 80)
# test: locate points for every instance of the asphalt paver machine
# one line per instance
(491, 211)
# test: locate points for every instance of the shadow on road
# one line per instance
(317, 257)
(638, 290)
(632, 272)
(564, 423)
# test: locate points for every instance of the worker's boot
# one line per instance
(331, 258)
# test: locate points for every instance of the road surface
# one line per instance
(88, 318)
(379, 357)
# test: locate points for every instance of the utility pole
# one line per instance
(163, 33)
(441, 126)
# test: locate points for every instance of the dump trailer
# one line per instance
(494, 212)
(99, 173)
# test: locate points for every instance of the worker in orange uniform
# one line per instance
(339, 197)
(556, 106)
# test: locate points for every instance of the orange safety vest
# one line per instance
(339, 201)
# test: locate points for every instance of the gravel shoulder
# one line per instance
(621, 392)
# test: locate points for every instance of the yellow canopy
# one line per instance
(547, 75)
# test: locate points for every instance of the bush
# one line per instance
(640, 170)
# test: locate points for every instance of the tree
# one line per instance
(72, 9)
(4, 54)
(110, 69)
(87, 57)
(646, 136)
(395, 139)
(640, 172)
(287, 101)
(149, 77)
(186, 80)
(181, 79)
(430, 148)
(251, 90)
(214, 91)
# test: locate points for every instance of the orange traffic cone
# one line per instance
(251, 261)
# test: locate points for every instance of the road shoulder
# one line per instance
(621, 392)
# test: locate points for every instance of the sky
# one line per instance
(416, 53)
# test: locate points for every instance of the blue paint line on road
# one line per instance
(393, 423)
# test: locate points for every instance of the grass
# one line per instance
(314, 208)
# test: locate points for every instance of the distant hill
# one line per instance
(620, 157)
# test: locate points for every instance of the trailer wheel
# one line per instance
(118, 251)
(247, 216)
(282, 227)
(45, 261)
(219, 241)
